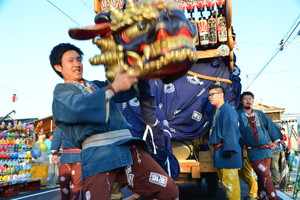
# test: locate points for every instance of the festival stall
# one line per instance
(39, 167)
(23, 163)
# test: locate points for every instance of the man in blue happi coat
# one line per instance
(69, 176)
(259, 135)
(224, 137)
(88, 111)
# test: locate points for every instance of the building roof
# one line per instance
(268, 109)
(46, 124)
(41, 126)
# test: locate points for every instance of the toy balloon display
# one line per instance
(4, 135)
(43, 146)
(19, 146)
(36, 152)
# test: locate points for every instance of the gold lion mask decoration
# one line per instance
(154, 38)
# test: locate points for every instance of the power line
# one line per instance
(274, 72)
(18, 92)
(292, 26)
(255, 43)
(25, 95)
(284, 41)
(89, 7)
(278, 49)
(263, 68)
(63, 13)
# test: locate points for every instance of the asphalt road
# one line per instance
(189, 191)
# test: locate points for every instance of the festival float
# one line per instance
(23, 161)
(181, 47)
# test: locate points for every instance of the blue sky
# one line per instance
(30, 29)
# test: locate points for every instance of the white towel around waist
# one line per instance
(105, 138)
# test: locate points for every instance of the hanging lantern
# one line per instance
(14, 98)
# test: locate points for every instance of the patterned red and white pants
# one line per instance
(266, 189)
(144, 177)
(70, 180)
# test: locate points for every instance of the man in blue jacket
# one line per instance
(87, 110)
(70, 180)
(224, 137)
(259, 135)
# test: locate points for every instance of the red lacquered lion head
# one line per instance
(155, 38)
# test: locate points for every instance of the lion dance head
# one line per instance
(154, 38)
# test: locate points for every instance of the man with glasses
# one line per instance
(224, 137)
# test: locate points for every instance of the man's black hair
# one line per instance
(246, 93)
(217, 87)
(57, 53)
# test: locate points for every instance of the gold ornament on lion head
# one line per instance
(153, 37)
